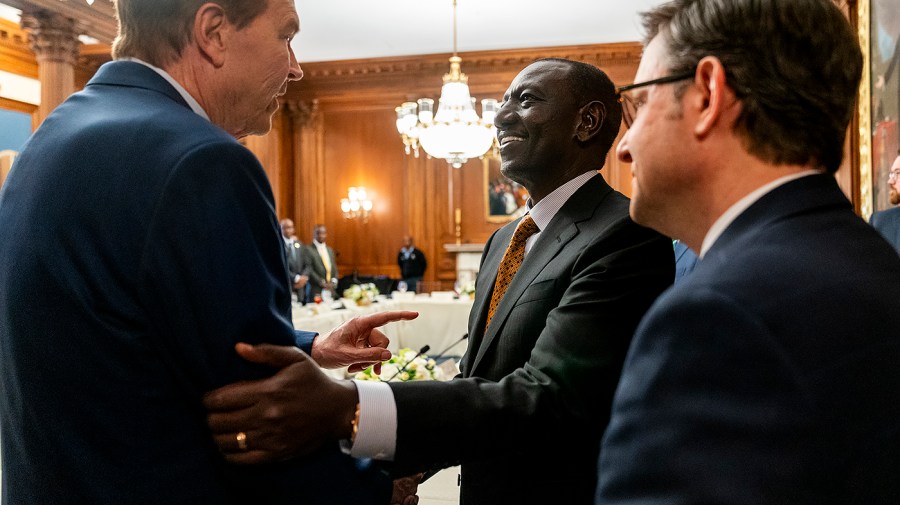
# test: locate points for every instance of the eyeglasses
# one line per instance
(630, 106)
(893, 175)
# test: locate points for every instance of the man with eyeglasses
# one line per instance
(887, 222)
(771, 374)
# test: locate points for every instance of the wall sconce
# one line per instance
(357, 204)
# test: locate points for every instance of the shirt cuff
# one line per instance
(376, 434)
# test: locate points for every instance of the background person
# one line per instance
(887, 222)
(546, 339)
(115, 318)
(769, 375)
(321, 265)
(412, 263)
(293, 250)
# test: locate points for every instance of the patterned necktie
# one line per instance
(510, 263)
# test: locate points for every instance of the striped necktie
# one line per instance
(512, 260)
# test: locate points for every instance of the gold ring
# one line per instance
(241, 441)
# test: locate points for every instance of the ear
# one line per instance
(715, 95)
(210, 32)
(590, 119)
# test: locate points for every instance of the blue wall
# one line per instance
(15, 128)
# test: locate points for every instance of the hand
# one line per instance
(358, 343)
(289, 414)
(405, 490)
(301, 281)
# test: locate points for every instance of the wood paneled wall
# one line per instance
(336, 130)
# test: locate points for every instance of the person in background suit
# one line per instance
(770, 374)
(685, 260)
(115, 317)
(293, 250)
(887, 222)
(321, 264)
(412, 263)
(526, 415)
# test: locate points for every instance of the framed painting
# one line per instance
(879, 100)
(504, 200)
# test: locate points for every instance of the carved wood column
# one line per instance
(308, 167)
(55, 44)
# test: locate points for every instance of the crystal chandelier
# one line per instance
(455, 133)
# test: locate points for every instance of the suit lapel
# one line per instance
(561, 230)
(487, 276)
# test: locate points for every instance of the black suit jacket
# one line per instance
(293, 250)
(115, 320)
(887, 222)
(525, 418)
(770, 375)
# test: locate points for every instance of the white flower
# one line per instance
(413, 368)
(361, 292)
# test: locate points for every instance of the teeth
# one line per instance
(506, 140)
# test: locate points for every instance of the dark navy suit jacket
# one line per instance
(887, 222)
(115, 319)
(770, 375)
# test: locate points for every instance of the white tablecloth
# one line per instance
(440, 325)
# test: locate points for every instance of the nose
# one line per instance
(295, 73)
(504, 114)
(622, 151)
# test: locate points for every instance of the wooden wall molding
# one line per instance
(376, 83)
(97, 21)
(15, 51)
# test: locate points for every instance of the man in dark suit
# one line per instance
(115, 318)
(526, 415)
(412, 263)
(770, 375)
(293, 250)
(887, 222)
(320, 263)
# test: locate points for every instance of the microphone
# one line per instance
(422, 351)
(451, 346)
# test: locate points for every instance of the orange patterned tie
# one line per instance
(510, 263)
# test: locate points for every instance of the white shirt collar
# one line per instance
(544, 211)
(721, 224)
(192, 103)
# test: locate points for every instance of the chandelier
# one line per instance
(455, 133)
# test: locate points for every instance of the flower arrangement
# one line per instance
(362, 294)
(417, 368)
(467, 290)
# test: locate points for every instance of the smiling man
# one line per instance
(547, 333)
(770, 374)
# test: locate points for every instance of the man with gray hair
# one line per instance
(771, 374)
(114, 318)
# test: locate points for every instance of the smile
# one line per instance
(507, 140)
